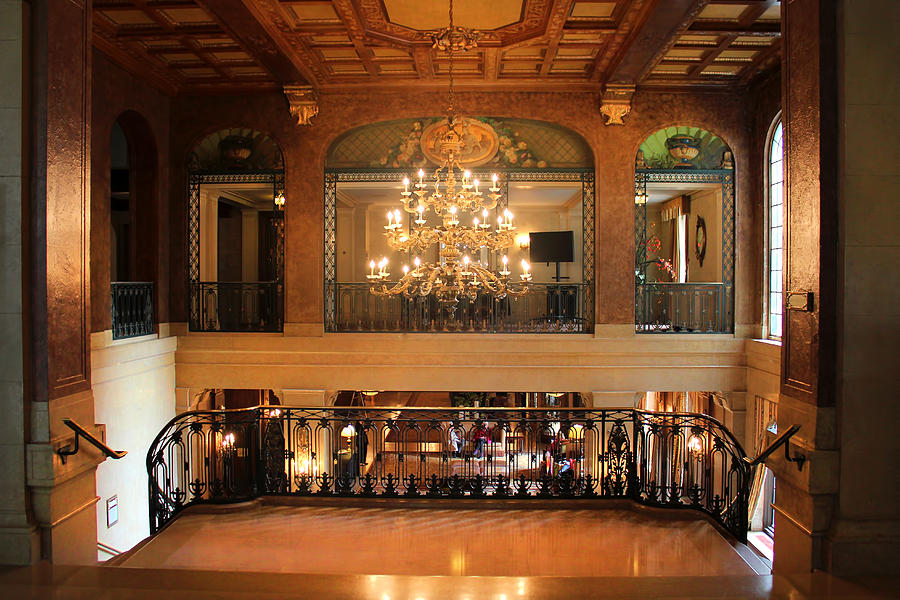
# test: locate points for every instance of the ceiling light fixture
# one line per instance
(467, 256)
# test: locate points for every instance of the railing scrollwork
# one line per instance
(671, 460)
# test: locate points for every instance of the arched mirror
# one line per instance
(236, 233)
(546, 191)
(684, 233)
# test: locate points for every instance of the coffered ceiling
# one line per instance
(211, 46)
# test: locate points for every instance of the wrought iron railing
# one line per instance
(546, 308)
(237, 306)
(683, 308)
(132, 308)
(676, 460)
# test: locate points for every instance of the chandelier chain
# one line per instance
(457, 256)
(450, 108)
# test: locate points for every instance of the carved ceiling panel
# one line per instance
(727, 42)
(189, 46)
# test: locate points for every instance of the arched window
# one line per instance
(775, 230)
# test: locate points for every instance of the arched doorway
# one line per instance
(134, 237)
(684, 233)
(236, 233)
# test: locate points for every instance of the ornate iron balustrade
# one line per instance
(683, 308)
(674, 460)
(132, 309)
(237, 306)
(546, 308)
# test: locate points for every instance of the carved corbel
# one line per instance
(616, 102)
(303, 102)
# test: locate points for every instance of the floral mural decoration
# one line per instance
(512, 153)
(644, 258)
(408, 152)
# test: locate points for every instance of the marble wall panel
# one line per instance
(614, 150)
(116, 91)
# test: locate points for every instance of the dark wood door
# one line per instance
(809, 90)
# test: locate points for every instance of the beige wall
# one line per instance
(706, 204)
(134, 396)
(462, 362)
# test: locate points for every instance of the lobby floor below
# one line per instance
(441, 541)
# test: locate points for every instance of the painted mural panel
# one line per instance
(500, 143)
(236, 149)
(684, 147)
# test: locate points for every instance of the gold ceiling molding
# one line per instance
(616, 102)
(303, 102)
(190, 47)
(375, 15)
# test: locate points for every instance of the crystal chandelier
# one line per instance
(452, 194)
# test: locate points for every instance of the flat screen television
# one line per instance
(551, 246)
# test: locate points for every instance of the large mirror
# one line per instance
(684, 233)
(549, 216)
(547, 183)
(539, 208)
(236, 233)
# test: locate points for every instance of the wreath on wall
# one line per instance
(700, 243)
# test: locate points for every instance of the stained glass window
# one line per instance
(776, 229)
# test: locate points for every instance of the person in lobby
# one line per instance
(455, 442)
(482, 437)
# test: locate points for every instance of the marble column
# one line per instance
(805, 499)
(19, 543)
(865, 532)
(58, 366)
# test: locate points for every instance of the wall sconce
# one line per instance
(695, 442)
(279, 201)
(640, 199)
(523, 241)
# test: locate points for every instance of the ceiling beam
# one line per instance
(652, 40)
(242, 25)
(720, 27)
(155, 32)
(491, 64)
(275, 39)
(424, 62)
(763, 60)
(711, 55)
(618, 43)
(138, 64)
(187, 42)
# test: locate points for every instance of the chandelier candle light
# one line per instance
(464, 210)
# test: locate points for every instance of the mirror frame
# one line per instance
(335, 176)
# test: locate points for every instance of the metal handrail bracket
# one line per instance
(70, 449)
(785, 440)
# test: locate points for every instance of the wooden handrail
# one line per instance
(68, 450)
(108, 549)
(783, 439)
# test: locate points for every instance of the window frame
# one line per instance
(767, 259)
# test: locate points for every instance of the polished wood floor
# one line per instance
(356, 540)
(118, 583)
(369, 552)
